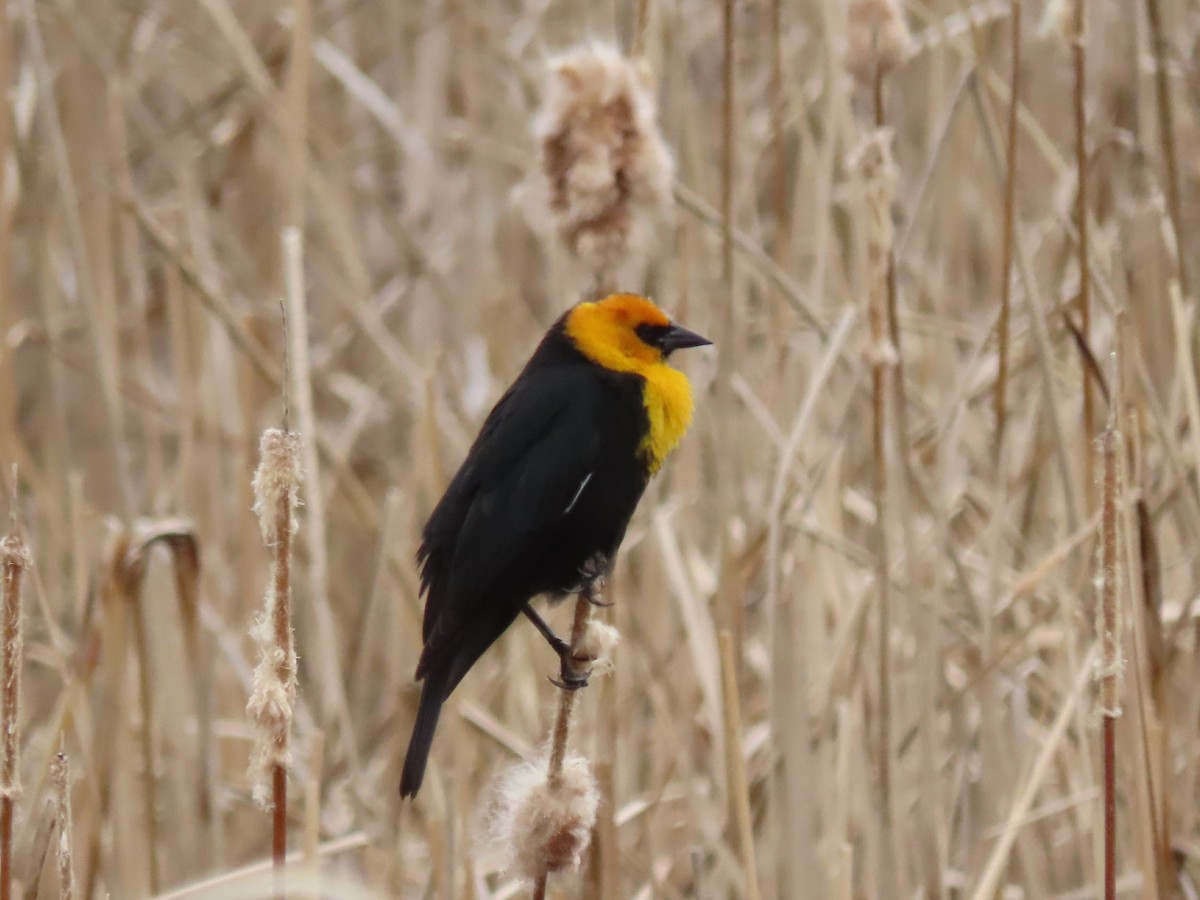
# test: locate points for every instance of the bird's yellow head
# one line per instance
(628, 333)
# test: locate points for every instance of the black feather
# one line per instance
(514, 522)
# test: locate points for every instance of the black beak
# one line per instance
(678, 338)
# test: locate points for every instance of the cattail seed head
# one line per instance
(877, 39)
(14, 559)
(872, 164)
(276, 479)
(544, 825)
(595, 649)
(276, 489)
(607, 171)
(872, 168)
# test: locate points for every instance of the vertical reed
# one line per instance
(14, 560)
(1006, 238)
(1078, 102)
(60, 775)
(1108, 628)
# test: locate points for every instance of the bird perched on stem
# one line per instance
(542, 501)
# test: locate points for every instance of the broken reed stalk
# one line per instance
(1006, 239)
(1109, 628)
(1079, 57)
(14, 559)
(276, 483)
(562, 723)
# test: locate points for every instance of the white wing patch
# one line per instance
(575, 499)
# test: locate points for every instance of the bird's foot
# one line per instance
(569, 678)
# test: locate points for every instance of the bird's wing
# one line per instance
(525, 471)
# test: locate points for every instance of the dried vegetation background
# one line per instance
(152, 154)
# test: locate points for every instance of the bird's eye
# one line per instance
(652, 335)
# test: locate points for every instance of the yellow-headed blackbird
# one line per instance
(543, 499)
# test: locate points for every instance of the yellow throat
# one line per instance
(610, 340)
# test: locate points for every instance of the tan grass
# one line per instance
(155, 154)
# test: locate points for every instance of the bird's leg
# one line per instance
(569, 679)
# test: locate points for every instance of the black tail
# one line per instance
(433, 695)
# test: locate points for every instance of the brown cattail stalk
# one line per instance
(60, 774)
(546, 808)
(14, 559)
(562, 723)
(276, 485)
(873, 165)
(607, 176)
(878, 40)
(1108, 627)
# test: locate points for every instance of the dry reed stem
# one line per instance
(735, 762)
(989, 882)
(1007, 236)
(400, 117)
(129, 565)
(873, 165)
(1166, 133)
(1108, 627)
(227, 883)
(899, 401)
(312, 804)
(299, 374)
(14, 560)
(60, 775)
(9, 429)
(779, 147)
(1079, 98)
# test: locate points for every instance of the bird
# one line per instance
(541, 503)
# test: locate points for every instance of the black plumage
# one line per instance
(546, 491)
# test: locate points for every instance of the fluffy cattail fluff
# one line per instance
(14, 559)
(877, 39)
(60, 775)
(607, 172)
(276, 486)
(595, 649)
(873, 170)
(542, 824)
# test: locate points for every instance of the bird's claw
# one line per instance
(569, 679)
(596, 600)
